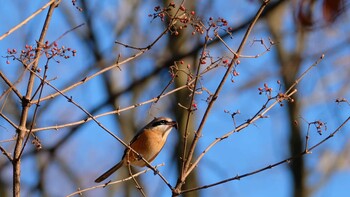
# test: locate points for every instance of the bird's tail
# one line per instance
(109, 172)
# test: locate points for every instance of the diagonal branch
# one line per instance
(288, 160)
(27, 19)
(6, 153)
(9, 120)
(117, 64)
(79, 192)
(11, 86)
(216, 94)
(261, 113)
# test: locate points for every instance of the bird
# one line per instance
(148, 142)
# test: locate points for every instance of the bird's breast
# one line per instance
(148, 144)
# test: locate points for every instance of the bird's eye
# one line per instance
(163, 122)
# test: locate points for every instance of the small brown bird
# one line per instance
(148, 142)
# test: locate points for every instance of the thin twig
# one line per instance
(307, 138)
(11, 86)
(115, 65)
(138, 186)
(218, 90)
(238, 177)
(240, 55)
(70, 99)
(93, 76)
(257, 116)
(26, 20)
(305, 72)
(4, 152)
(9, 120)
(33, 121)
(186, 158)
(80, 192)
(237, 129)
(8, 140)
(65, 33)
(164, 89)
(118, 111)
(226, 45)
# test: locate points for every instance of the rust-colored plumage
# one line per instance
(148, 143)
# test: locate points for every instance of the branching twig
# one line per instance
(92, 76)
(304, 73)
(238, 177)
(9, 120)
(242, 56)
(261, 113)
(187, 158)
(116, 65)
(4, 152)
(256, 117)
(21, 131)
(79, 192)
(70, 99)
(33, 121)
(11, 86)
(216, 94)
(118, 111)
(138, 186)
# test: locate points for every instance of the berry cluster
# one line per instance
(183, 18)
(50, 50)
(319, 126)
(265, 89)
(220, 24)
(27, 54)
(53, 50)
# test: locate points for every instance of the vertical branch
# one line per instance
(216, 94)
(21, 131)
(189, 112)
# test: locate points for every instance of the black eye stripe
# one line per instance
(161, 122)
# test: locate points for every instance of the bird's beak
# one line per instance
(174, 124)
